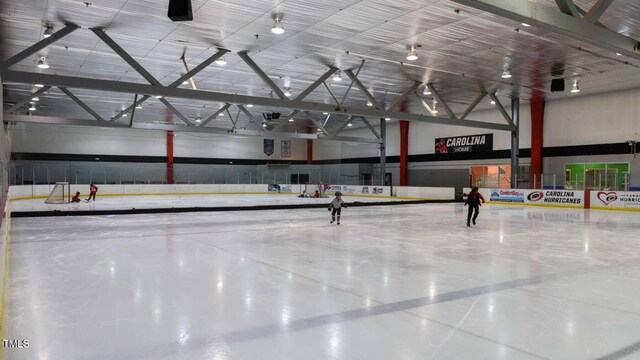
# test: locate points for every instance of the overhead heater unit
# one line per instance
(180, 10)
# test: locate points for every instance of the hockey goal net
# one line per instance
(61, 194)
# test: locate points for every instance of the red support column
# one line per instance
(169, 157)
(309, 151)
(537, 127)
(404, 152)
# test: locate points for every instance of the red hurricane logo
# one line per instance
(607, 197)
(535, 196)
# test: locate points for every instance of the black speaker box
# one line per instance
(557, 85)
(180, 10)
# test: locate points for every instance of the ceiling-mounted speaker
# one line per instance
(180, 10)
(557, 85)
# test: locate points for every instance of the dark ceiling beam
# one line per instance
(82, 104)
(552, 20)
(473, 105)
(125, 56)
(443, 103)
(373, 130)
(38, 46)
(344, 125)
(28, 99)
(596, 11)
(404, 96)
(568, 7)
(130, 108)
(191, 73)
(501, 109)
(215, 114)
(175, 111)
(175, 128)
(252, 119)
(139, 68)
(176, 83)
(364, 90)
(261, 74)
(133, 88)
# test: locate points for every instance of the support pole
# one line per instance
(169, 157)
(404, 152)
(309, 151)
(383, 151)
(515, 117)
(537, 131)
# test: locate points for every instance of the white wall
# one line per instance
(233, 147)
(593, 119)
(56, 139)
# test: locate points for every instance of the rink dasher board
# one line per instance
(568, 199)
(134, 211)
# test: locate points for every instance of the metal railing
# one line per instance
(35, 174)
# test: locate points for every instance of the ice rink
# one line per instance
(391, 282)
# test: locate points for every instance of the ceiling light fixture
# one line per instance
(493, 102)
(325, 113)
(412, 54)
(291, 120)
(426, 91)
(221, 61)
(575, 87)
(39, 85)
(337, 76)
(369, 103)
(186, 81)
(158, 96)
(506, 74)
(525, 25)
(287, 92)
(124, 115)
(139, 106)
(618, 54)
(35, 98)
(48, 32)
(32, 106)
(387, 119)
(249, 105)
(264, 125)
(277, 28)
(221, 114)
(42, 63)
(349, 124)
(319, 130)
(198, 120)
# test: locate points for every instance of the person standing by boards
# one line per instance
(473, 200)
(93, 189)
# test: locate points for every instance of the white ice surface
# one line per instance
(181, 201)
(400, 282)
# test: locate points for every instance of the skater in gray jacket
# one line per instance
(336, 204)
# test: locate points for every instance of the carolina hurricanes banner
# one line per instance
(469, 143)
(268, 146)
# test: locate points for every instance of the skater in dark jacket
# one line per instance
(473, 200)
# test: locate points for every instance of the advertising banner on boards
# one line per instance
(538, 197)
(619, 200)
(358, 190)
